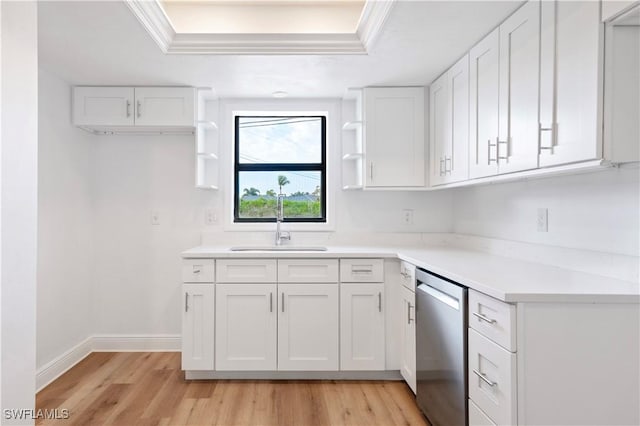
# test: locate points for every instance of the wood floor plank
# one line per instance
(149, 389)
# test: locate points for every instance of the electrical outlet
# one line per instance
(210, 217)
(543, 220)
(155, 217)
(407, 216)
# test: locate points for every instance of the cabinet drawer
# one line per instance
(408, 275)
(198, 270)
(246, 271)
(492, 379)
(308, 270)
(493, 319)
(477, 417)
(361, 270)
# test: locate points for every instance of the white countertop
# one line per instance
(506, 279)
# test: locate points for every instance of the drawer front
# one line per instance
(198, 270)
(361, 270)
(477, 417)
(246, 271)
(492, 379)
(408, 275)
(308, 270)
(493, 319)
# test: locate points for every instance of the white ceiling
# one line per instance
(102, 43)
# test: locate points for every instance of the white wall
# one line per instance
(136, 277)
(65, 224)
(18, 199)
(595, 211)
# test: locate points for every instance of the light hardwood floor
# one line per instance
(149, 389)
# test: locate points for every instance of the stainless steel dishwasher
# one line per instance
(441, 344)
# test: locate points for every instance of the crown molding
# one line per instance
(374, 15)
(153, 18)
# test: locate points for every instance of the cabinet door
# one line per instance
(570, 90)
(103, 106)
(246, 332)
(457, 162)
(439, 128)
(308, 327)
(408, 338)
(362, 327)
(394, 137)
(484, 75)
(198, 326)
(165, 106)
(517, 144)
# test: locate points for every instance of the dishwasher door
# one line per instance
(441, 344)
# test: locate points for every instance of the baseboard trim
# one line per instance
(135, 343)
(58, 366)
(104, 343)
(293, 375)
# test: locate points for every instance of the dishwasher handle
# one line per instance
(439, 295)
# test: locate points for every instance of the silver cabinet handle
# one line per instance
(498, 143)
(379, 301)
(186, 302)
(442, 169)
(138, 109)
(409, 313)
(128, 108)
(404, 274)
(484, 378)
(484, 318)
(450, 161)
(371, 170)
(283, 301)
(489, 145)
(362, 271)
(196, 269)
(551, 129)
(271, 302)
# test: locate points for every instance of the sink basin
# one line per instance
(277, 248)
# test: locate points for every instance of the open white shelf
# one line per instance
(207, 141)
(352, 143)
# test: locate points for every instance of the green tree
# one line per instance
(282, 181)
(271, 193)
(251, 191)
(316, 192)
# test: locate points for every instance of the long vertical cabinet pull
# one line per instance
(271, 302)
(283, 301)
(128, 108)
(138, 109)
(186, 302)
(371, 170)
(409, 312)
(379, 301)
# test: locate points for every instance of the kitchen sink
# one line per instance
(277, 248)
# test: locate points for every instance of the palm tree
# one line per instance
(251, 191)
(282, 181)
(271, 193)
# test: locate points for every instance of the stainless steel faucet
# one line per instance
(280, 235)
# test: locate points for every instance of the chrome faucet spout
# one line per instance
(280, 235)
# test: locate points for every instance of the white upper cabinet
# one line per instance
(116, 108)
(394, 137)
(165, 106)
(517, 143)
(449, 130)
(570, 82)
(103, 106)
(504, 96)
(484, 74)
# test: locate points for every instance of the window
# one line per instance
(280, 155)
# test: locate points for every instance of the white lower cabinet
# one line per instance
(477, 417)
(408, 337)
(197, 326)
(492, 379)
(362, 343)
(308, 327)
(246, 327)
